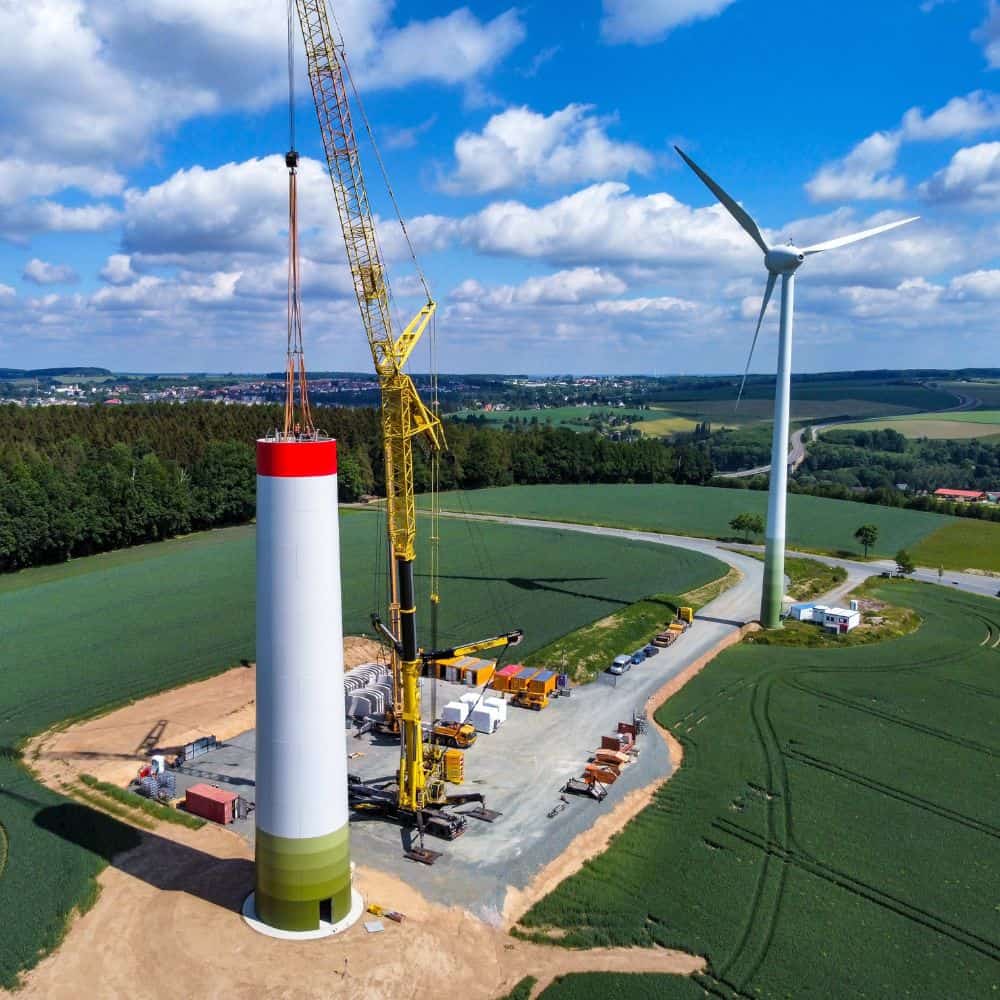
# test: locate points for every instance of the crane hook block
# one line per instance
(292, 159)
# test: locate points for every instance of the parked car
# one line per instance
(620, 664)
(650, 650)
(638, 656)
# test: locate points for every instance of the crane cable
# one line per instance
(378, 158)
(295, 362)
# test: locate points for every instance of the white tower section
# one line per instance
(301, 797)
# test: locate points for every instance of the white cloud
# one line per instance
(971, 179)
(981, 285)
(521, 146)
(579, 284)
(605, 223)
(40, 272)
(866, 171)
(863, 173)
(81, 79)
(407, 138)
(117, 270)
(453, 49)
(988, 33)
(647, 21)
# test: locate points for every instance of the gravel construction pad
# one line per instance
(520, 769)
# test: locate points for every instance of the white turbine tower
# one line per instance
(783, 261)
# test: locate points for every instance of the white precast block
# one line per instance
(301, 762)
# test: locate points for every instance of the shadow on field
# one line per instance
(161, 863)
(720, 621)
(542, 583)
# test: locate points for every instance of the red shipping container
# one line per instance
(211, 803)
(626, 727)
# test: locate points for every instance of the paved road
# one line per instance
(796, 456)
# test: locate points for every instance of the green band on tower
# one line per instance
(295, 875)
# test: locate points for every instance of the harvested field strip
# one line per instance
(776, 851)
(147, 806)
(109, 806)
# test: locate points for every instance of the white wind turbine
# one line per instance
(783, 261)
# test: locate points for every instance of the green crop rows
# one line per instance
(84, 636)
(833, 830)
(813, 522)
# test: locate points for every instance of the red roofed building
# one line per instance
(965, 496)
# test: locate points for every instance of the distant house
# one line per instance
(962, 496)
(992, 497)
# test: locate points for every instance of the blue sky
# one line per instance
(142, 190)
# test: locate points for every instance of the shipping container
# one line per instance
(501, 679)
(499, 705)
(478, 673)
(211, 803)
(544, 682)
(520, 680)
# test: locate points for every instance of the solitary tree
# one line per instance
(748, 523)
(867, 535)
(904, 563)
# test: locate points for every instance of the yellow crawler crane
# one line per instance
(404, 416)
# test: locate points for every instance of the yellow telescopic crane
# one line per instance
(404, 416)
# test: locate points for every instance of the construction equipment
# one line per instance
(587, 785)
(453, 734)
(404, 417)
(378, 911)
(686, 615)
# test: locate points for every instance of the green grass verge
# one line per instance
(814, 523)
(116, 809)
(808, 578)
(961, 544)
(95, 633)
(583, 654)
(830, 832)
(168, 814)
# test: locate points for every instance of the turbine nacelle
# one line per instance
(783, 260)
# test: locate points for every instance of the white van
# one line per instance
(620, 664)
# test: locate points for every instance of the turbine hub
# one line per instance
(784, 260)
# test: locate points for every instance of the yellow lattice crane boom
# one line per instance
(404, 416)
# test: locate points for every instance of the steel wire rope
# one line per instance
(378, 158)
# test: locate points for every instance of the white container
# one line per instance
(471, 698)
(484, 720)
(499, 705)
(455, 711)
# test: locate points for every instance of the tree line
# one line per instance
(79, 480)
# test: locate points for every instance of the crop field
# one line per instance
(577, 417)
(938, 426)
(813, 522)
(833, 828)
(986, 393)
(964, 544)
(83, 636)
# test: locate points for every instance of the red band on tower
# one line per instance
(296, 458)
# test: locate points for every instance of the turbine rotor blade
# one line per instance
(771, 279)
(843, 241)
(739, 213)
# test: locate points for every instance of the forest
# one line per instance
(883, 458)
(80, 480)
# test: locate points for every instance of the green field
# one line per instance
(832, 831)
(99, 631)
(973, 544)
(813, 522)
(938, 426)
(577, 417)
